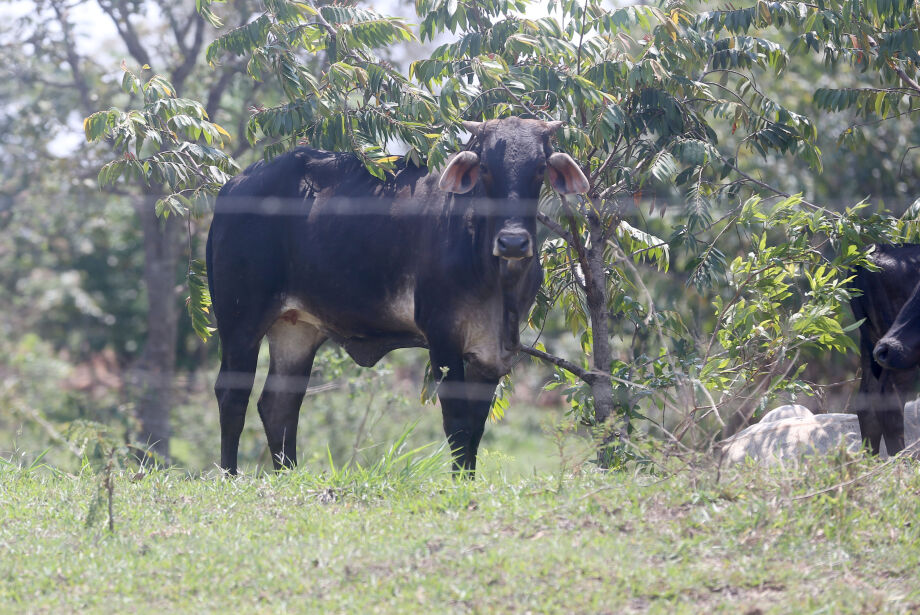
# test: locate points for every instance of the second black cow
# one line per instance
(311, 247)
(889, 343)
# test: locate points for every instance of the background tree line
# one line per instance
(687, 290)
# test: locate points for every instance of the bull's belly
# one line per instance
(369, 332)
(342, 327)
(366, 332)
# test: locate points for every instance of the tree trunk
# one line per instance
(156, 368)
(601, 384)
(597, 312)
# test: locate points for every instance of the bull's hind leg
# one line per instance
(233, 387)
(292, 347)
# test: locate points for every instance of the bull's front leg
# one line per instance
(868, 400)
(896, 389)
(466, 398)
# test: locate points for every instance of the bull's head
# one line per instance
(509, 163)
(899, 348)
(505, 171)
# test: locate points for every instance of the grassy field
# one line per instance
(842, 536)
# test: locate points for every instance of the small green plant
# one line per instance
(104, 456)
(559, 431)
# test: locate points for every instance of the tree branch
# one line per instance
(127, 32)
(328, 27)
(602, 168)
(522, 104)
(906, 79)
(559, 362)
(768, 186)
(555, 227)
(212, 105)
(73, 59)
(189, 54)
(178, 33)
(576, 242)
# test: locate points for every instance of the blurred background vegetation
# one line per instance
(92, 309)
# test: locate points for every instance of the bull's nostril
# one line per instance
(881, 353)
(513, 244)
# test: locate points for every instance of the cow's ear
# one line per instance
(461, 173)
(564, 175)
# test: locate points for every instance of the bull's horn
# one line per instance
(551, 127)
(474, 128)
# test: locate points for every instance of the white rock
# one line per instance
(789, 411)
(789, 432)
(912, 423)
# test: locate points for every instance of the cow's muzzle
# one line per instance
(890, 353)
(513, 244)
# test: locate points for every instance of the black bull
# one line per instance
(889, 342)
(310, 247)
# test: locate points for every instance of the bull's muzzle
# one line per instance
(513, 244)
(890, 353)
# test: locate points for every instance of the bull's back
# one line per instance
(314, 231)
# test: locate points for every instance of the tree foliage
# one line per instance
(184, 156)
(880, 40)
(665, 108)
(94, 273)
(172, 148)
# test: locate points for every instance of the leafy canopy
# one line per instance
(660, 104)
(172, 148)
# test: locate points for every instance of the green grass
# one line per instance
(401, 536)
(365, 411)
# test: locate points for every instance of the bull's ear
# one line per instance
(564, 175)
(461, 174)
(474, 128)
